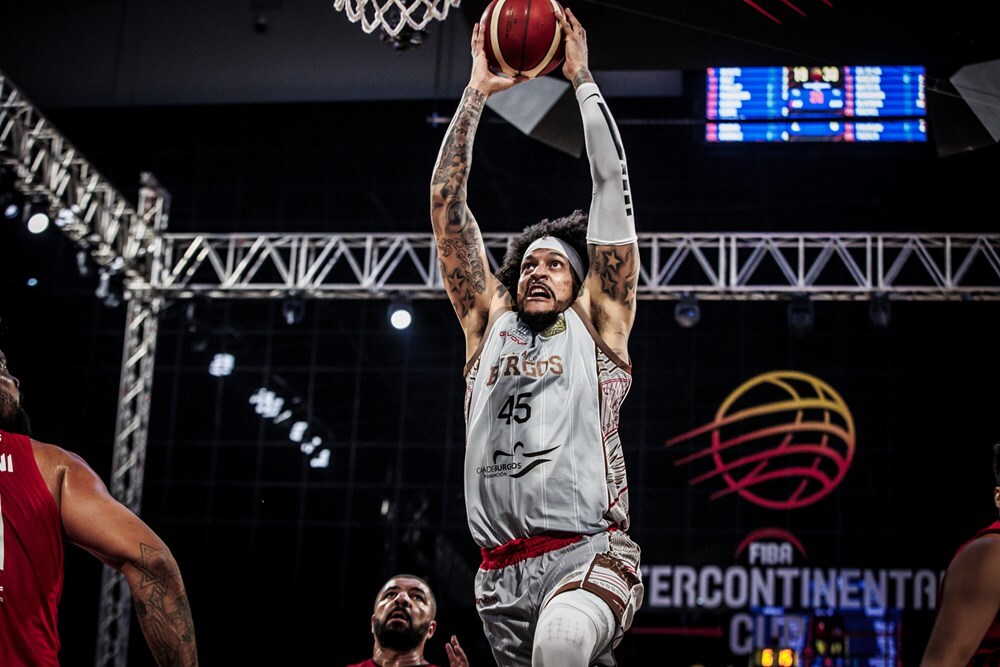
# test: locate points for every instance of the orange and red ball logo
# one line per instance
(782, 440)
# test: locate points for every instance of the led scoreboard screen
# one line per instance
(869, 103)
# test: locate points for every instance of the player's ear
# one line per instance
(431, 627)
(373, 623)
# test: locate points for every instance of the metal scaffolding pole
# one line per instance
(128, 468)
(128, 464)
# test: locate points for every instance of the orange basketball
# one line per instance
(523, 36)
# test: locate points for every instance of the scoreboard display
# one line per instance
(868, 103)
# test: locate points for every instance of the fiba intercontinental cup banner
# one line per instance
(781, 557)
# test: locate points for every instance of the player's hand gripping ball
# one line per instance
(523, 37)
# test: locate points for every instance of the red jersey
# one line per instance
(31, 559)
(988, 652)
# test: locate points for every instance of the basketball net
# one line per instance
(394, 15)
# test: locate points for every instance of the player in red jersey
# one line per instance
(47, 492)
(402, 623)
(967, 628)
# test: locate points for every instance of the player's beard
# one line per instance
(13, 418)
(399, 638)
(539, 322)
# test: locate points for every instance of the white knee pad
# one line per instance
(573, 628)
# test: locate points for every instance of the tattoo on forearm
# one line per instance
(452, 170)
(161, 607)
(618, 271)
(465, 273)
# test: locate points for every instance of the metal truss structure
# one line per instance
(91, 211)
(157, 266)
(933, 267)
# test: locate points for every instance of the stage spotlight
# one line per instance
(38, 223)
(38, 216)
(293, 310)
(222, 365)
(38, 219)
(400, 312)
(309, 446)
(880, 310)
(687, 313)
(800, 315)
(10, 203)
(267, 403)
(11, 198)
(297, 431)
(321, 460)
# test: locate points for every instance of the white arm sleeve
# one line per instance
(610, 221)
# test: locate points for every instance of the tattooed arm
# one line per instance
(473, 289)
(98, 523)
(609, 290)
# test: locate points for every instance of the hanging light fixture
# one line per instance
(800, 315)
(400, 312)
(687, 312)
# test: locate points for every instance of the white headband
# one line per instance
(560, 246)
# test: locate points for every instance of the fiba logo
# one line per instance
(781, 440)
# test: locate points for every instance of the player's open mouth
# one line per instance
(538, 292)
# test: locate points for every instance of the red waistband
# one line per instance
(524, 548)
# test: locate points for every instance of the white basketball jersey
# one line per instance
(542, 446)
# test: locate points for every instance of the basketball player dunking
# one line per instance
(547, 370)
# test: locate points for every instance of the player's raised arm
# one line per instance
(614, 254)
(98, 523)
(465, 271)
